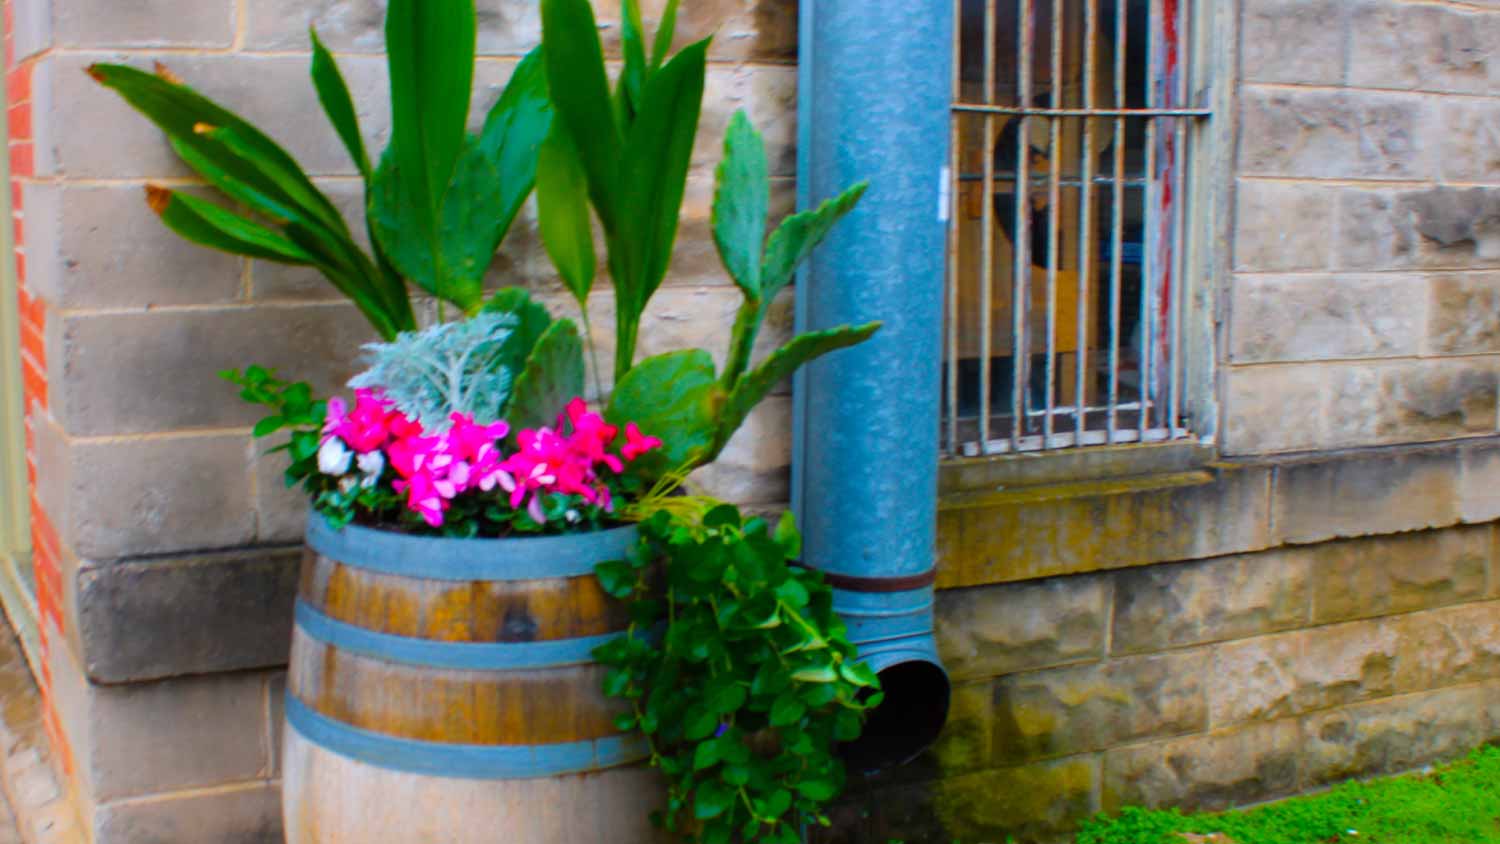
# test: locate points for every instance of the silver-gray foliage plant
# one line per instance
(452, 367)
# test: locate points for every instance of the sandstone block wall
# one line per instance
(1361, 305)
(1203, 684)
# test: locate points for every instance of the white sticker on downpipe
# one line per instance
(945, 193)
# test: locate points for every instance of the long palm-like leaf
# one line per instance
(580, 93)
(654, 176)
(333, 93)
(430, 49)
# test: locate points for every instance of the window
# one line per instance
(1065, 306)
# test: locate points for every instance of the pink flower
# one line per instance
(424, 498)
(337, 417)
(636, 443)
(468, 437)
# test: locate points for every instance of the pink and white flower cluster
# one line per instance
(433, 468)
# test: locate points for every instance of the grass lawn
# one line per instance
(1454, 804)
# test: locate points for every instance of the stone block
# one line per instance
(1434, 228)
(506, 27)
(244, 814)
(102, 247)
(1373, 231)
(157, 496)
(1466, 143)
(204, 613)
(967, 738)
(280, 511)
(1065, 711)
(1479, 483)
(988, 631)
(33, 28)
(105, 24)
(1463, 315)
(1288, 674)
(1215, 771)
(273, 92)
(1038, 801)
(1396, 735)
(1269, 410)
(1300, 318)
(1430, 48)
(150, 738)
(1411, 401)
(1281, 226)
(1169, 606)
(275, 718)
(744, 30)
(158, 370)
(1323, 134)
(1374, 494)
(1448, 646)
(1075, 528)
(1396, 574)
(1293, 41)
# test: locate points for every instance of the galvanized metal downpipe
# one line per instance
(874, 101)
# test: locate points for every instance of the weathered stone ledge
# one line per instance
(1005, 533)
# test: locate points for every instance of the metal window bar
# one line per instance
(1104, 281)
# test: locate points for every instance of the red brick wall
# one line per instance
(33, 321)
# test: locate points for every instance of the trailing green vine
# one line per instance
(753, 682)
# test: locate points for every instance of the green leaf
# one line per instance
(553, 376)
(787, 709)
(179, 111)
(580, 93)
(674, 397)
(317, 207)
(633, 77)
(713, 799)
(778, 803)
(699, 724)
(206, 224)
(563, 214)
(847, 725)
(268, 426)
(513, 134)
(727, 698)
(706, 754)
(532, 320)
(742, 199)
(653, 174)
(788, 537)
(792, 593)
(817, 789)
(664, 33)
(449, 252)
(333, 93)
(430, 49)
(617, 578)
(797, 237)
(754, 387)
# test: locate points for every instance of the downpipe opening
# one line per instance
(907, 722)
(894, 634)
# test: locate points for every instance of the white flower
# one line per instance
(334, 457)
(572, 517)
(346, 485)
(371, 465)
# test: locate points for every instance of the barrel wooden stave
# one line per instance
(460, 611)
(538, 706)
(329, 801)
(402, 675)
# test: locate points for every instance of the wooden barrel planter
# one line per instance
(442, 690)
